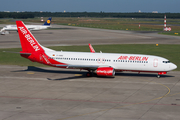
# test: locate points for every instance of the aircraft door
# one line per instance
(155, 62)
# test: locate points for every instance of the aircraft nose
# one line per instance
(173, 66)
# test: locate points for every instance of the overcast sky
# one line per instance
(161, 6)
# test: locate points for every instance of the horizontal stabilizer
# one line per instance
(18, 53)
(25, 53)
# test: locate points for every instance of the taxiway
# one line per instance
(30, 93)
(69, 35)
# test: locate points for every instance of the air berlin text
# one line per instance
(134, 58)
(29, 38)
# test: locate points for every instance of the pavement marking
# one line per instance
(103, 110)
(124, 105)
(127, 104)
(78, 75)
(7, 77)
(30, 72)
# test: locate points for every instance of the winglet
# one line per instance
(91, 48)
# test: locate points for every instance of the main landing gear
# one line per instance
(89, 74)
(4, 32)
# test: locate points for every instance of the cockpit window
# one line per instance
(166, 61)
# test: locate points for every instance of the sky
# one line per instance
(162, 6)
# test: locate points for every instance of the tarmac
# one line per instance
(60, 35)
(47, 93)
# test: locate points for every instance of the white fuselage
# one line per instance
(103, 64)
(120, 62)
(30, 27)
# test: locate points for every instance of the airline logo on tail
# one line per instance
(48, 21)
(29, 38)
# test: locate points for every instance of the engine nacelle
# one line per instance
(105, 71)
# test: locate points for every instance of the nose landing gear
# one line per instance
(158, 76)
(161, 73)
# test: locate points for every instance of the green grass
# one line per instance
(170, 52)
(121, 26)
(170, 33)
(146, 24)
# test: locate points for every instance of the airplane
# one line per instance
(102, 64)
(30, 27)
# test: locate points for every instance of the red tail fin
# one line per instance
(28, 42)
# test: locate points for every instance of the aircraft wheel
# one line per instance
(158, 76)
(89, 74)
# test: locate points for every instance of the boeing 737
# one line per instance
(102, 64)
(30, 27)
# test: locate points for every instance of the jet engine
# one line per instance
(105, 71)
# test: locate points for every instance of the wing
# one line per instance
(86, 67)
